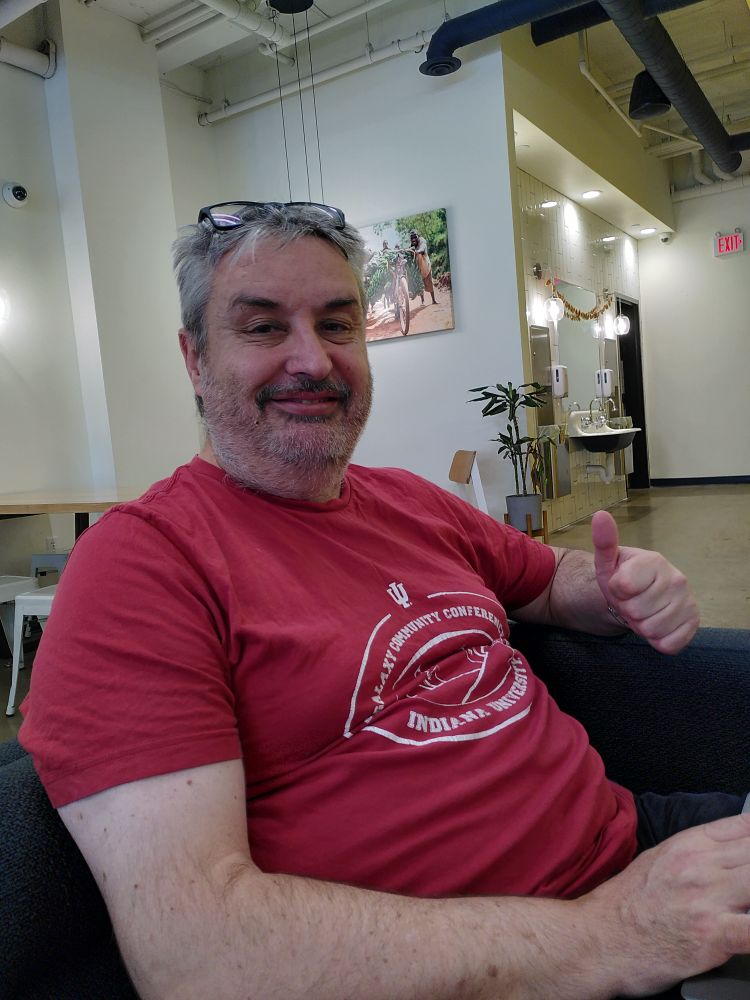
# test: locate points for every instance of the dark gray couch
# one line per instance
(661, 724)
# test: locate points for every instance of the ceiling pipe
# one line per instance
(583, 66)
(703, 190)
(699, 174)
(549, 29)
(186, 20)
(326, 25)
(415, 43)
(188, 32)
(235, 12)
(11, 10)
(166, 16)
(480, 24)
(41, 64)
(654, 47)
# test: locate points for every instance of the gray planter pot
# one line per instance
(519, 507)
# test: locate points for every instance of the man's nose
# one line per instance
(308, 353)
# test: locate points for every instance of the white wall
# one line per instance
(395, 142)
(44, 437)
(191, 147)
(114, 173)
(696, 343)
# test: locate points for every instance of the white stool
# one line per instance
(10, 588)
(42, 561)
(39, 604)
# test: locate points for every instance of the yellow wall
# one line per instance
(545, 85)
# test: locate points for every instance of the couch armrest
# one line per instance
(57, 938)
(661, 723)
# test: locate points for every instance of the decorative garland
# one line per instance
(573, 312)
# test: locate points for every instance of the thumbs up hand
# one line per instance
(643, 588)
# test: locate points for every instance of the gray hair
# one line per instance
(200, 248)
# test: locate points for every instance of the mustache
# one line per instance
(304, 384)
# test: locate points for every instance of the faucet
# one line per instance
(601, 419)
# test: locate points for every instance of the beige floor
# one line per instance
(704, 530)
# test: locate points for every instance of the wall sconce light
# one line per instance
(609, 326)
(4, 307)
(622, 325)
(554, 309)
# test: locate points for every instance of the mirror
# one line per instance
(578, 349)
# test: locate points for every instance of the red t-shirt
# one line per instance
(355, 655)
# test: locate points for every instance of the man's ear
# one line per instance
(192, 359)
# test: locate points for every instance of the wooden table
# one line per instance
(81, 503)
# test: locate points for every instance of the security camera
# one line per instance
(665, 237)
(15, 194)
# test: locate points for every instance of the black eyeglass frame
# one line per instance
(207, 213)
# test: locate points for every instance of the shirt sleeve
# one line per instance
(131, 677)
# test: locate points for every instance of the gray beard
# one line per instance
(283, 460)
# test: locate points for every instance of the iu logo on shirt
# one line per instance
(444, 671)
(398, 592)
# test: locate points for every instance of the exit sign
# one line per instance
(724, 245)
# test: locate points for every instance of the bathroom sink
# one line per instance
(603, 439)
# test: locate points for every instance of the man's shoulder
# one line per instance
(176, 499)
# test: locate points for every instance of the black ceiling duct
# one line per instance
(483, 23)
(650, 41)
(553, 26)
(647, 99)
(290, 6)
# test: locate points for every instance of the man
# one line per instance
(419, 246)
(277, 707)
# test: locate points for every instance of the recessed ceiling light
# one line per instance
(589, 195)
(549, 204)
(608, 239)
(648, 231)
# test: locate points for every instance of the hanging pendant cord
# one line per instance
(283, 128)
(315, 107)
(301, 109)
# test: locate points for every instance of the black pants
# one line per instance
(661, 816)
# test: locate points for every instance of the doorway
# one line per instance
(631, 388)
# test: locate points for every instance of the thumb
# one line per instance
(606, 542)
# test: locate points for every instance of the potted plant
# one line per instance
(525, 451)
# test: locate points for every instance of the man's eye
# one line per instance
(261, 328)
(336, 327)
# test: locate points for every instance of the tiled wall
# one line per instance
(567, 241)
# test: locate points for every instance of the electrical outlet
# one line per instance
(51, 543)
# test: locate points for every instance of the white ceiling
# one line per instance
(713, 37)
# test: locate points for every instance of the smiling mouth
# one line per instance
(307, 404)
(307, 399)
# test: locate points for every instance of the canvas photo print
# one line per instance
(408, 276)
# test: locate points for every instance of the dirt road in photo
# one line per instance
(381, 324)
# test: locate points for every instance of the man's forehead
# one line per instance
(286, 263)
(304, 271)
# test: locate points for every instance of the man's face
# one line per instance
(285, 379)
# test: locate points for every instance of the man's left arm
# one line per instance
(643, 589)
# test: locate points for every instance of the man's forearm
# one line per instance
(573, 599)
(576, 600)
(250, 935)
